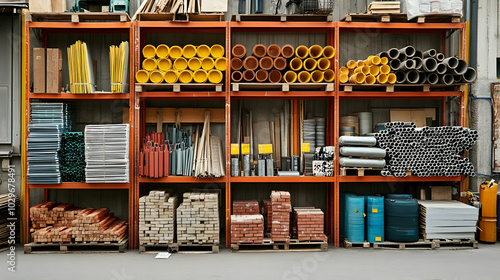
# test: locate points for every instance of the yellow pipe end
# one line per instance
(329, 75)
(296, 64)
(317, 76)
(304, 77)
(344, 70)
(215, 76)
(207, 63)
(384, 60)
(310, 64)
(391, 78)
(351, 64)
(385, 69)
(149, 64)
(343, 78)
(156, 76)
(194, 63)
(175, 52)
(149, 51)
(351, 72)
(220, 64)
(374, 70)
(329, 52)
(142, 76)
(162, 51)
(358, 78)
(315, 51)
(164, 64)
(180, 63)
(360, 63)
(370, 80)
(189, 51)
(200, 76)
(217, 51)
(171, 76)
(203, 51)
(323, 63)
(382, 78)
(302, 51)
(290, 77)
(185, 76)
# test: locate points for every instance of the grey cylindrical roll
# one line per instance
(422, 78)
(395, 64)
(432, 78)
(359, 162)
(439, 57)
(429, 53)
(246, 165)
(409, 51)
(418, 54)
(447, 79)
(412, 76)
(383, 54)
(365, 122)
(269, 167)
(429, 64)
(400, 77)
(371, 152)
(402, 57)
(407, 65)
(470, 75)
(235, 167)
(441, 68)
(357, 141)
(393, 53)
(461, 68)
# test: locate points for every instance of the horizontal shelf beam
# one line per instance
(422, 27)
(77, 185)
(405, 94)
(382, 179)
(70, 26)
(278, 179)
(71, 96)
(181, 95)
(181, 179)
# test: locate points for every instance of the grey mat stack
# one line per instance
(107, 153)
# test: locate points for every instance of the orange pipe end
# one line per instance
(189, 51)
(203, 51)
(261, 76)
(194, 63)
(236, 63)
(266, 63)
(149, 64)
(236, 76)
(251, 63)
(239, 51)
(344, 70)
(248, 75)
(149, 51)
(280, 63)
(275, 76)
(164, 64)
(175, 52)
(384, 60)
(273, 51)
(185, 76)
(287, 51)
(259, 50)
(215, 76)
(156, 76)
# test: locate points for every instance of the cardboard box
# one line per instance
(441, 193)
(417, 116)
(54, 70)
(208, 6)
(44, 6)
(38, 70)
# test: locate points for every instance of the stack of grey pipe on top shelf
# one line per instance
(359, 152)
(426, 151)
(412, 66)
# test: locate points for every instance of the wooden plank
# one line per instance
(187, 115)
(178, 87)
(282, 17)
(283, 87)
(33, 248)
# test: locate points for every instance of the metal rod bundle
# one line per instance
(427, 151)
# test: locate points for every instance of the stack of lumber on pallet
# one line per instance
(198, 218)
(308, 224)
(247, 229)
(384, 7)
(52, 234)
(157, 218)
(53, 214)
(449, 219)
(281, 207)
(268, 214)
(245, 207)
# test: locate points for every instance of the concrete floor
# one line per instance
(340, 263)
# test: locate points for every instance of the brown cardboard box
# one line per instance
(38, 70)
(417, 116)
(54, 70)
(47, 6)
(441, 193)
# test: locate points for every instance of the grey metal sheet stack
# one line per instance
(107, 153)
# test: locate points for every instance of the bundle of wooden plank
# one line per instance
(308, 224)
(99, 225)
(245, 207)
(169, 6)
(208, 161)
(247, 229)
(157, 218)
(268, 215)
(53, 214)
(52, 234)
(198, 218)
(281, 208)
(384, 7)
(440, 219)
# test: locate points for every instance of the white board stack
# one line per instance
(107, 153)
(447, 219)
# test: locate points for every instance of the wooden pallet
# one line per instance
(401, 87)
(402, 17)
(284, 87)
(360, 170)
(419, 245)
(270, 246)
(77, 17)
(348, 244)
(282, 18)
(154, 248)
(455, 244)
(195, 248)
(4, 247)
(178, 87)
(181, 17)
(66, 248)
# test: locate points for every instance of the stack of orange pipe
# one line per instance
(153, 158)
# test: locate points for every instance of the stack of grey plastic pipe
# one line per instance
(426, 151)
(412, 66)
(360, 152)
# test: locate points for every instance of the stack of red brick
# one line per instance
(308, 224)
(247, 229)
(245, 207)
(281, 207)
(268, 215)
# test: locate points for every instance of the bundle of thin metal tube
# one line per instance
(426, 151)
(72, 157)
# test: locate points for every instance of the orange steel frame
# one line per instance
(137, 105)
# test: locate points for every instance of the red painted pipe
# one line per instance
(275, 76)
(160, 161)
(236, 64)
(273, 51)
(239, 51)
(250, 63)
(261, 75)
(287, 51)
(280, 63)
(259, 50)
(165, 164)
(157, 160)
(248, 75)
(151, 163)
(236, 76)
(266, 63)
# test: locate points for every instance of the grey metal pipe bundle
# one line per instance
(429, 64)
(360, 162)
(371, 152)
(357, 141)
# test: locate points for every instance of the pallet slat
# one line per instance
(33, 248)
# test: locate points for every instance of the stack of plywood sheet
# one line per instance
(308, 224)
(449, 219)
(157, 218)
(281, 208)
(247, 229)
(198, 219)
(245, 207)
(384, 7)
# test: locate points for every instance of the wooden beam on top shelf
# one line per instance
(186, 115)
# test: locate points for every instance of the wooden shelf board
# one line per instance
(181, 95)
(280, 94)
(71, 96)
(76, 185)
(278, 179)
(181, 179)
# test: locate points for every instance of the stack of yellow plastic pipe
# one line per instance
(81, 74)
(187, 64)
(311, 64)
(373, 70)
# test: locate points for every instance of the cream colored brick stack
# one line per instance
(157, 218)
(198, 219)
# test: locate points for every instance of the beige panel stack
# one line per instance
(247, 229)
(308, 224)
(157, 218)
(198, 218)
(245, 207)
(281, 207)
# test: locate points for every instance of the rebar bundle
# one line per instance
(72, 157)
(426, 151)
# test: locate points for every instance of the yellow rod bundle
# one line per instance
(164, 64)
(302, 52)
(310, 64)
(175, 52)
(391, 78)
(203, 51)
(200, 76)
(156, 76)
(304, 77)
(142, 76)
(149, 51)
(80, 71)
(385, 69)
(296, 64)
(185, 76)
(215, 76)
(189, 51)
(317, 76)
(315, 51)
(329, 76)
(118, 59)
(323, 63)
(162, 51)
(194, 64)
(374, 70)
(149, 64)
(382, 78)
(351, 64)
(217, 51)
(220, 64)
(290, 77)
(328, 52)
(171, 76)
(180, 63)
(358, 78)
(207, 63)
(370, 80)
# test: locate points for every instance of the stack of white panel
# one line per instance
(449, 219)
(107, 153)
